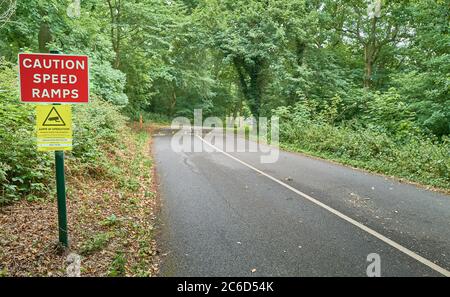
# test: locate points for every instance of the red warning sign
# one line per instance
(48, 78)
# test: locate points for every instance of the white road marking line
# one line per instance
(383, 238)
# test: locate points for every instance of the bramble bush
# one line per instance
(23, 171)
(107, 82)
(95, 125)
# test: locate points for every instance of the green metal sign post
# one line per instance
(61, 193)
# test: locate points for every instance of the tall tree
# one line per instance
(252, 35)
(370, 26)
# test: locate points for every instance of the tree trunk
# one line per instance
(44, 37)
(368, 69)
(115, 14)
(251, 79)
(300, 51)
(251, 82)
(300, 48)
(173, 104)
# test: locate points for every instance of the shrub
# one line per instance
(415, 157)
(95, 125)
(108, 83)
(23, 171)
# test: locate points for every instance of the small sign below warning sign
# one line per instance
(54, 127)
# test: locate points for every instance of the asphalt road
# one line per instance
(227, 214)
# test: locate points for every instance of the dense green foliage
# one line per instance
(368, 85)
(23, 171)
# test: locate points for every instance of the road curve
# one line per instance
(220, 217)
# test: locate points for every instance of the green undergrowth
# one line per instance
(406, 154)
